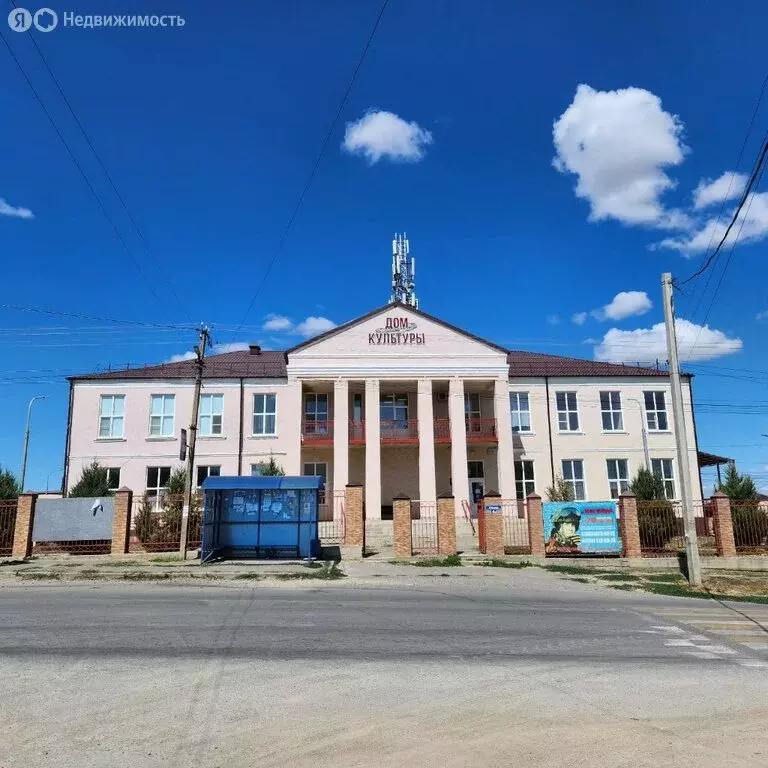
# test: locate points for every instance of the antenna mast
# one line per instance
(403, 273)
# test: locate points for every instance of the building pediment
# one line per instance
(401, 338)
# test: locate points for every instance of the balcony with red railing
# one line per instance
(481, 430)
(356, 432)
(317, 432)
(442, 430)
(402, 432)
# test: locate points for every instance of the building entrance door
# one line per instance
(476, 476)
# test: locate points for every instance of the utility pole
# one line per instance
(205, 340)
(681, 435)
(26, 439)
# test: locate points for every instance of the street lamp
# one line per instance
(48, 477)
(26, 438)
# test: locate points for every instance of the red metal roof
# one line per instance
(272, 365)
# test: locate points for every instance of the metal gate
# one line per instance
(7, 525)
(516, 533)
(424, 528)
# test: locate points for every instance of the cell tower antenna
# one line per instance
(403, 273)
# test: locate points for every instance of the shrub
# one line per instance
(146, 522)
(657, 523)
(93, 482)
(560, 490)
(9, 485)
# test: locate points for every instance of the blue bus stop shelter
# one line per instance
(260, 517)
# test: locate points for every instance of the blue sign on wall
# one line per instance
(581, 527)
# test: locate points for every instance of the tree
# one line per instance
(9, 485)
(560, 490)
(93, 482)
(648, 486)
(272, 468)
(177, 483)
(738, 486)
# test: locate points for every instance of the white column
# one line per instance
(459, 481)
(505, 454)
(340, 436)
(289, 414)
(427, 483)
(372, 450)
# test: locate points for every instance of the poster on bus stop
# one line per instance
(581, 527)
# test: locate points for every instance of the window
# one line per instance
(210, 471)
(111, 415)
(475, 470)
(211, 410)
(316, 468)
(521, 411)
(656, 411)
(567, 412)
(113, 478)
(618, 477)
(257, 469)
(664, 468)
(157, 480)
(161, 415)
(357, 407)
(264, 414)
(573, 474)
(524, 479)
(394, 409)
(610, 406)
(472, 405)
(316, 414)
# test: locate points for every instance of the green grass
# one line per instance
(38, 575)
(248, 577)
(117, 564)
(145, 576)
(434, 562)
(574, 569)
(495, 562)
(663, 578)
(617, 576)
(625, 587)
(329, 572)
(165, 559)
(580, 579)
(15, 562)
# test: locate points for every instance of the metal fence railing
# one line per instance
(78, 547)
(662, 528)
(516, 534)
(750, 526)
(424, 528)
(156, 523)
(7, 525)
(331, 521)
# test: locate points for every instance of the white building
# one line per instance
(396, 400)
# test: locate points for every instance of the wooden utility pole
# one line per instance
(681, 435)
(205, 340)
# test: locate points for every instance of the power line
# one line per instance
(752, 179)
(80, 316)
(103, 167)
(312, 173)
(82, 172)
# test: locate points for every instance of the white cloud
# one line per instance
(274, 322)
(618, 144)
(728, 187)
(6, 209)
(313, 326)
(379, 134)
(624, 304)
(579, 318)
(553, 319)
(762, 315)
(751, 226)
(216, 349)
(646, 345)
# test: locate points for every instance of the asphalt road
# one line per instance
(534, 672)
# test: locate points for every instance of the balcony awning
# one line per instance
(712, 459)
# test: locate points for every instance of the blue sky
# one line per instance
(209, 132)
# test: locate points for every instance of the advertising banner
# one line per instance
(581, 527)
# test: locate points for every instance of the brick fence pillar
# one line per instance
(121, 521)
(25, 520)
(536, 525)
(629, 528)
(494, 524)
(401, 516)
(721, 506)
(354, 522)
(446, 525)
